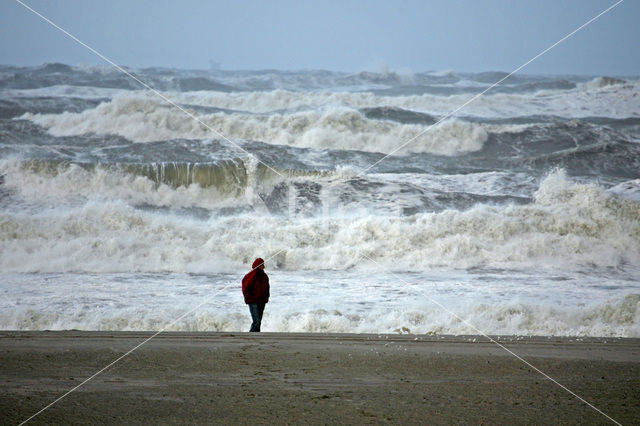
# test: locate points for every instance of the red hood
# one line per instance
(255, 285)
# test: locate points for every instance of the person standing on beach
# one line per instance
(255, 288)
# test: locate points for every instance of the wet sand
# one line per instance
(274, 378)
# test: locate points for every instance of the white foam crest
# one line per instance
(600, 82)
(130, 319)
(105, 237)
(619, 317)
(345, 172)
(629, 190)
(615, 101)
(569, 226)
(602, 96)
(145, 120)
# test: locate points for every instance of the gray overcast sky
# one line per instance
(341, 35)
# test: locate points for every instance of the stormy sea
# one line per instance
(518, 214)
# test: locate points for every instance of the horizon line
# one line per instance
(403, 71)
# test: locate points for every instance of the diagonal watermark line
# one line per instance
(207, 300)
(489, 88)
(492, 340)
(127, 73)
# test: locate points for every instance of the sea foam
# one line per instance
(568, 226)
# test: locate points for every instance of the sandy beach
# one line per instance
(274, 378)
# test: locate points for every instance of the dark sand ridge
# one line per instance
(315, 378)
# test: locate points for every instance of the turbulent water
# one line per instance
(520, 214)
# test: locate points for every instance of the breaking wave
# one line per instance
(568, 225)
(616, 318)
(160, 184)
(600, 82)
(146, 120)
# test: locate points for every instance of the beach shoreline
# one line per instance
(289, 378)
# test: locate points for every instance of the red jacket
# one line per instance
(255, 285)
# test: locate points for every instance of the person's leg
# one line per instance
(260, 313)
(256, 317)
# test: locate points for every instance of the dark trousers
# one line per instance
(256, 309)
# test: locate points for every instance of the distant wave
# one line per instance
(600, 97)
(600, 82)
(618, 101)
(141, 119)
(390, 82)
